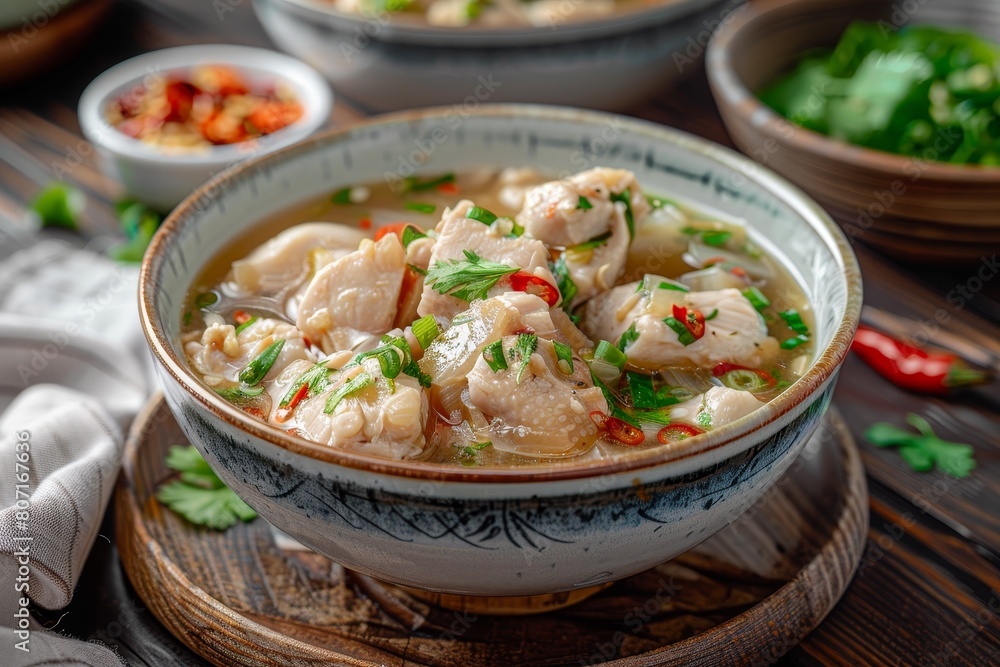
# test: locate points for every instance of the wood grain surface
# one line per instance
(928, 588)
(749, 593)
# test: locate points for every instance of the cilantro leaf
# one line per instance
(199, 495)
(468, 279)
(924, 450)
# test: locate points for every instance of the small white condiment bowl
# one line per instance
(161, 178)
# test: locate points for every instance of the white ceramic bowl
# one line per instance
(386, 62)
(493, 531)
(162, 180)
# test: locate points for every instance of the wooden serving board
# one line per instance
(744, 597)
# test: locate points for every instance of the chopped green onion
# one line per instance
(684, 336)
(593, 243)
(355, 384)
(411, 234)
(413, 184)
(481, 215)
(515, 229)
(255, 371)
(419, 207)
(609, 353)
(317, 378)
(712, 315)
(640, 386)
(523, 349)
(677, 287)
(584, 204)
(243, 327)
(626, 197)
(59, 205)
(564, 357)
(715, 238)
(794, 321)
(567, 288)
(240, 393)
(744, 379)
(425, 330)
(494, 357)
(342, 197)
(416, 269)
(704, 419)
(659, 202)
(205, 300)
(391, 358)
(756, 298)
(629, 337)
(794, 342)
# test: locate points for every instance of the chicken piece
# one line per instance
(542, 410)
(354, 299)
(736, 334)
(221, 353)
(716, 407)
(582, 208)
(378, 419)
(457, 234)
(289, 256)
(514, 183)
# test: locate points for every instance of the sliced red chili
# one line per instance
(526, 282)
(623, 432)
(241, 317)
(692, 319)
(723, 368)
(281, 415)
(677, 432)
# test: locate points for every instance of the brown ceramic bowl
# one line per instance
(911, 208)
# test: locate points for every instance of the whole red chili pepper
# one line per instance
(913, 368)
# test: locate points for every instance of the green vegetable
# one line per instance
(794, 321)
(59, 205)
(342, 197)
(494, 356)
(414, 184)
(626, 197)
(627, 338)
(584, 204)
(756, 298)
(564, 357)
(425, 330)
(567, 288)
(924, 450)
(684, 336)
(139, 224)
(523, 349)
(920, 91)
(199, 495)
(470, 453)
(794, 342)
(481, 215)
(240, 394)
(355, 384)
(411, 234)
(593, 243)
(317, 378)
(712, 315)
(419, 207)
(258, 367)
(246, 325)
(613, 355)
(205, 299)
(468, 279)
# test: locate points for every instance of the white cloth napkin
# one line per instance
(73, 374)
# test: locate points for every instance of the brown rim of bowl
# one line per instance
(412, 30)
(729, 90)
(822, 369)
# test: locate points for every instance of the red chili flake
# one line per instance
(692, 319)
(281, 415)
(448, 189)
(676, 432)
(241, 317)
(623, 432)
(365, 223)
(531, 284)
(739, 272)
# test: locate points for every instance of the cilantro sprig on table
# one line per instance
(924, 450)
(199, 495)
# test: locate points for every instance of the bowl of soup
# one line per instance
(606, 54)
(504, 358)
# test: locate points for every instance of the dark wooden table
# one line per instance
(928, 588)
